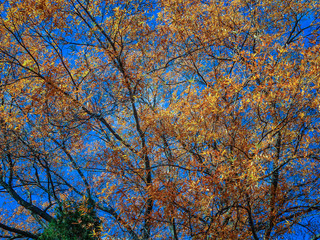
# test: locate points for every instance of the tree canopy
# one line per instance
(175, 119)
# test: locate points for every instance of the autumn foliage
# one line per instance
(177, 119)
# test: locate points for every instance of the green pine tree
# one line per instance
(74, 221)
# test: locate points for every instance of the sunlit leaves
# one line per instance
(179, 119)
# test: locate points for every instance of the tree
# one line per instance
(179, 119)
(74, 221)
